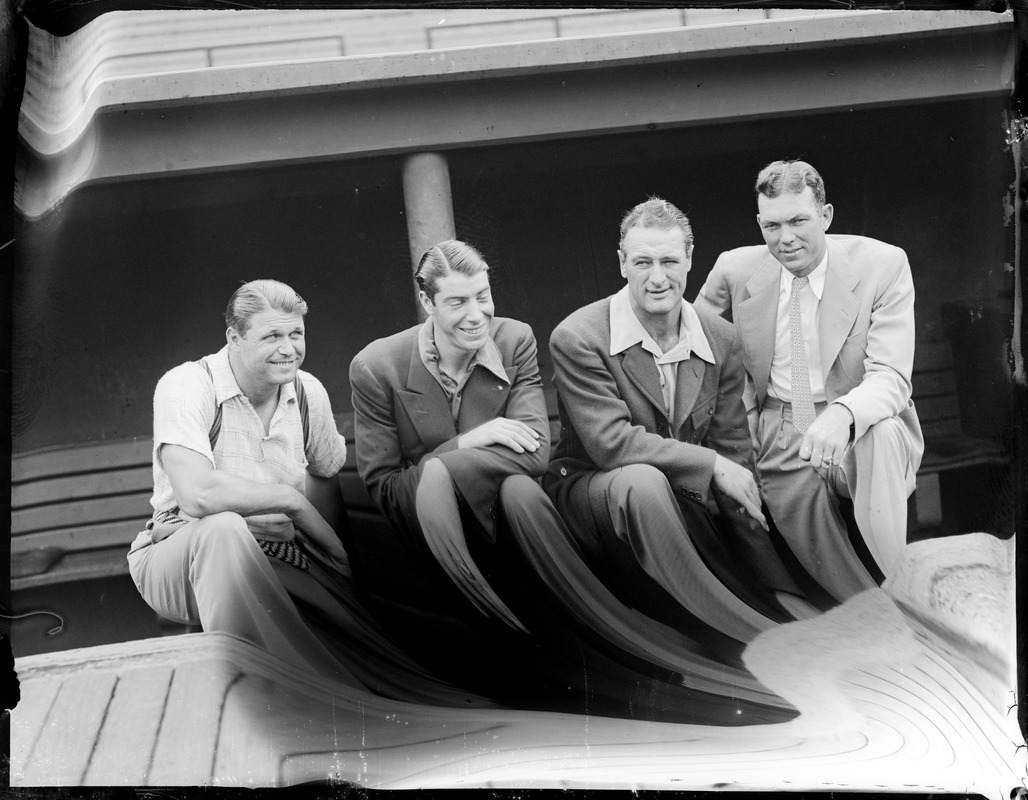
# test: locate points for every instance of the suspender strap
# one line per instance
(301, 402)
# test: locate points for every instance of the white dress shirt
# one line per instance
(780, 384)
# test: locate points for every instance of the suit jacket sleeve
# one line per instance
(391, 481)
(729, 434)
(884, 391)
(715, 295)
(604, 424)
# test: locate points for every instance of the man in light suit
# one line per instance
(653, 436)
(828, 344)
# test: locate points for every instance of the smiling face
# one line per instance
(269, 353)
(462, 308)
(655, 262)
(794, 229)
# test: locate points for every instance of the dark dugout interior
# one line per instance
(127, 279)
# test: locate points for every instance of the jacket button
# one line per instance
(563, 472)
(710, 410)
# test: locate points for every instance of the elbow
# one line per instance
(198, 503)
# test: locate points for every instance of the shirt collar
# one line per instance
(225, 385)
(626, 331)
(488, 355)
(816, 278)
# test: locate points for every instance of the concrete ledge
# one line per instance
(884, 708)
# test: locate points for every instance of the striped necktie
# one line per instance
(802, 399)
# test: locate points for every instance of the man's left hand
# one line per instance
(337, 561)
(826, 440)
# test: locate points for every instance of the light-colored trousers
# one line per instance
(213, 572)
(877, 473)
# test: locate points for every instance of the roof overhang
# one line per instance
(79, 125)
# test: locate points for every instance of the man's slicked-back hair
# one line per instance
(656, 213)
(253, 297)
(452, 255)
(792, 177)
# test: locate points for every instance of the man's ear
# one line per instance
(232, 337)
(621, 261)
(426, 302)
(826, 216)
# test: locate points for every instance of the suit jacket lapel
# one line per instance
(838, 307)
(483, 396)
(426, 404)
(756, 319)
(642, 371)
(687, 388)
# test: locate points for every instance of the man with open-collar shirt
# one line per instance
(654, 436)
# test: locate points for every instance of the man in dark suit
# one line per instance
(445, 412)
(828, 343)
(654, 436)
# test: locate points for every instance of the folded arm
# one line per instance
(201, 490)
(884, 390)
(603, 421)
(521, 436)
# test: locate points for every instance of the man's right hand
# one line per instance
(737, 483)
(310, 522)
(510, 433)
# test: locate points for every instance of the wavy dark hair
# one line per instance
(452, 255)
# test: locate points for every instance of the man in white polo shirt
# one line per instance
(827, 326)
(234, 544)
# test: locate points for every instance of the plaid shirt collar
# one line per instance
(225, 386)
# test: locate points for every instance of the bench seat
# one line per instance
(75, 510)
(947, 446)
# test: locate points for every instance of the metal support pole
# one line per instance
(429, 206)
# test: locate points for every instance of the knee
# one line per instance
(886, 433)
(522, 499)
(520, 490)
(225, 531)
(641, 484)
(435, 477)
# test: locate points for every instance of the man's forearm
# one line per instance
(217, 491)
